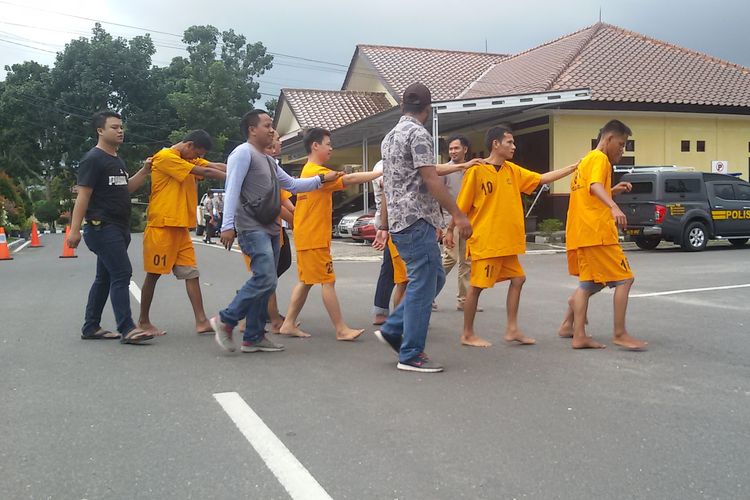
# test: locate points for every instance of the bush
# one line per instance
(549, 226)
(47, 211)
(137, 220)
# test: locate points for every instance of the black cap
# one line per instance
(417, 94)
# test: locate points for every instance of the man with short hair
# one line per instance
(593, 243)
(167, 246)
(104, 199)
(413, 196)
(458, 150)
(312, 237)
(490, 197)
(252, 204)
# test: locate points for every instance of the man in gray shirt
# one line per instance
(253, 177)
(411, 215)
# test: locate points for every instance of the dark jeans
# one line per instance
(113, 271)
(385, 285)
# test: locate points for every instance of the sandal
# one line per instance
(136, 336)
(101, 334)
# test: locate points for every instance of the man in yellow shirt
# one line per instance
(490, 197)
(167, 246)
(592, 240)
(312, 237)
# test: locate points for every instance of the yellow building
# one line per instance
(685, 108)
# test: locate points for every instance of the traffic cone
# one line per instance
(4, 252)
(67, 252)
(35, 243)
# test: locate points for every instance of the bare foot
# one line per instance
(631, 343)
(293, 332)
(153, 330)
(565, 331)
(518, 336)
(348, 334)
(586, 343)
(276, 326)
(474, 341)
(204, 327)
(379, 319)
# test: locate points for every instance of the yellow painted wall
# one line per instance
(657, 139)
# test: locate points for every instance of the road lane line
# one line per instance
(689, 290)
(292, 475)
(135, 291)
(22, 247)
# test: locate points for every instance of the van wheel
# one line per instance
(695, 238)
(647, 242)
(738, 242)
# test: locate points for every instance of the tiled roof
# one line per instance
(333, 109)
(445, 72)
(619, 65)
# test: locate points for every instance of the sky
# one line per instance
(327, 31)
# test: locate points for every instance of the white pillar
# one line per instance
(365, 168)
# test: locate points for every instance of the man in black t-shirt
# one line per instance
(104, 199)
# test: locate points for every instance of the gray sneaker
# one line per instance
(223, 335)
(262, 345)
(420, 363)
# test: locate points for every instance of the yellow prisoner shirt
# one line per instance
(174, 197)
(590, 222)
(314, 210)
(491, 199)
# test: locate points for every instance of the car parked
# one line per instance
(685, 207)
(347, 222)
(364, 229)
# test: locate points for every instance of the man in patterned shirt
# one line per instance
(413, 195)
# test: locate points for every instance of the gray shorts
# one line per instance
(594, 287)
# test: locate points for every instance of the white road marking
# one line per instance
(292, 475)
(22, 247)
(218, 246)
(135, 291)
(689, 290)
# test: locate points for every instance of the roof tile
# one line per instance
(332, 109)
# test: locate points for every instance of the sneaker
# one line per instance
(223, 335)
(394, 341)
(262, 345)
(420, 363)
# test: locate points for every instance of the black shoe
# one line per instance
(394, 341)
(420, 363)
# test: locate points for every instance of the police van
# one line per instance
(685, 207)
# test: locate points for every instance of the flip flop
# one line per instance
(101, 334)
(136, 337)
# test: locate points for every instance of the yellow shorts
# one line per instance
(399, 266)
(486, 272)
(603, 264)
(169, 249)
(315, 266)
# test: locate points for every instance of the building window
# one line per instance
(627, 161)
(685, 146)
(700, 146)
(748, 147)
(630, 145)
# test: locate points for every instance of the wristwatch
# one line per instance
(322, 178)
(382, 228)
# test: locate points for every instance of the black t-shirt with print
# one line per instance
(108, 176)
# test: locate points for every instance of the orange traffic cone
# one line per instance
(4, 253)
(35, 243)
(67, 252)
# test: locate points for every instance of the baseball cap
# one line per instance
(417, 94)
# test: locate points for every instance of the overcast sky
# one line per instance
(329, 30)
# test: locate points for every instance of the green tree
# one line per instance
(271, 106)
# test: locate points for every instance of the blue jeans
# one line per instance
(418, 246)
(385, 285)
(251, 302)
(113, 271)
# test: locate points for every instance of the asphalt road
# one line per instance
(96, 419)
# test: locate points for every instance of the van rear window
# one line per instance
(682, 186)
(642, 188)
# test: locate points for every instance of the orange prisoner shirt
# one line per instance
(491, 199)
(590, 222)
(314, 210)
(174, 196)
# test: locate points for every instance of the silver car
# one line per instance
(347, 222)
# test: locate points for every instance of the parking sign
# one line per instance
(720, 166)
